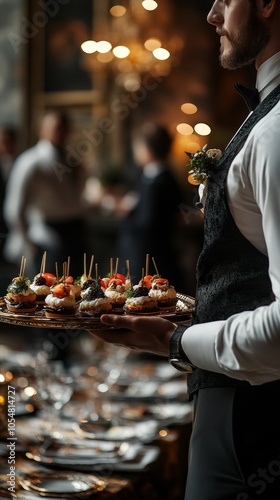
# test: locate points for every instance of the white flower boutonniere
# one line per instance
(201, 164)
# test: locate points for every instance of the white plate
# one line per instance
(136, 459)
(51, 484)
(144, 431)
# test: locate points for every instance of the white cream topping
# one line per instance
(115, 295)
(40, 289)
(163, 294)
(57, 302)
(25, 292)
(138, 300)
(93, 304)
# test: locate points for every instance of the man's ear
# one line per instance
(267, 7)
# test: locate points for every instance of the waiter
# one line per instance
(232, 350)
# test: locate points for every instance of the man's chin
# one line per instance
(225, 62)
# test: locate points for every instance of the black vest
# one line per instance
(232, 275)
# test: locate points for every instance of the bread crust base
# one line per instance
(69, 313)
(19, 310)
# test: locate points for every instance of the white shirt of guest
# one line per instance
(41, 188)
(246, 346)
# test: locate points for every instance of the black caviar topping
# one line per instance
(141, 291)
(87, 283)
(94, 292)
(40, 280)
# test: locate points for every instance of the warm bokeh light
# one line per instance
(132, 82)
(89, 46)
(149, 4)
(117, 10)
(103, 46)
(30, 391)
(188, 108)
(161, 54)
(152, 44)
(129, 38)
(192, 180)
(192, 147)
(2, 378)
(22, 382)
(184, 129)
(202, 129)
(105, 58)
(92, 371)
(121, 51)
(9, 376)
(125, 66)
(29, 408)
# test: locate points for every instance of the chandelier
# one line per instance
(130, 41)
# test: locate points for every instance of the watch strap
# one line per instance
(176, 351)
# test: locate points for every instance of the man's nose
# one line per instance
(215, 15)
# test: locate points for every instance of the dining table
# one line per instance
(109, 423)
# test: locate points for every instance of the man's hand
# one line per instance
(150, 334)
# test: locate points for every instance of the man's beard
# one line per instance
(247, 43)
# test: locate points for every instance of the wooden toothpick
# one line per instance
(147, 263)
(90, 266)
(155, 266)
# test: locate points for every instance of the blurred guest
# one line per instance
(44, 204)
(8, 151)
(150, 227)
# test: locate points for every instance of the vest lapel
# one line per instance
(237, 142)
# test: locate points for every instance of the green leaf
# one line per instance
(18, 285)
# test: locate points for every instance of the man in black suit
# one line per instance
(150, 227)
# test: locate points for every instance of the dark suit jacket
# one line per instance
(150, 228)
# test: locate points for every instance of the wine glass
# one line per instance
(54, 390)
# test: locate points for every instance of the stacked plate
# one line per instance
(95, 456)
(59, 485)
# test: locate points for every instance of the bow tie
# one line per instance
(251, 96)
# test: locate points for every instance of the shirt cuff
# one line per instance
(199, 341)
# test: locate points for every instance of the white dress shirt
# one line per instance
(246, 346)
(41, 188)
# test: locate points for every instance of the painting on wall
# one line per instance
(64, 33)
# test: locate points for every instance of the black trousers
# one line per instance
(234, 451)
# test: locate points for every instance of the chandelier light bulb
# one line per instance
(103, 46)
(121, 51)
(117, 10)
(202, 129)
(152, 44)
(161, 54)
(184, 129)
(188, 108)
(89, 46)
(149, 4)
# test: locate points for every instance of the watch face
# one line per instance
(181, 365)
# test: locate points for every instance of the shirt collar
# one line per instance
(268, 75)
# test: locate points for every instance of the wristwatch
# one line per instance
(177, 357)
